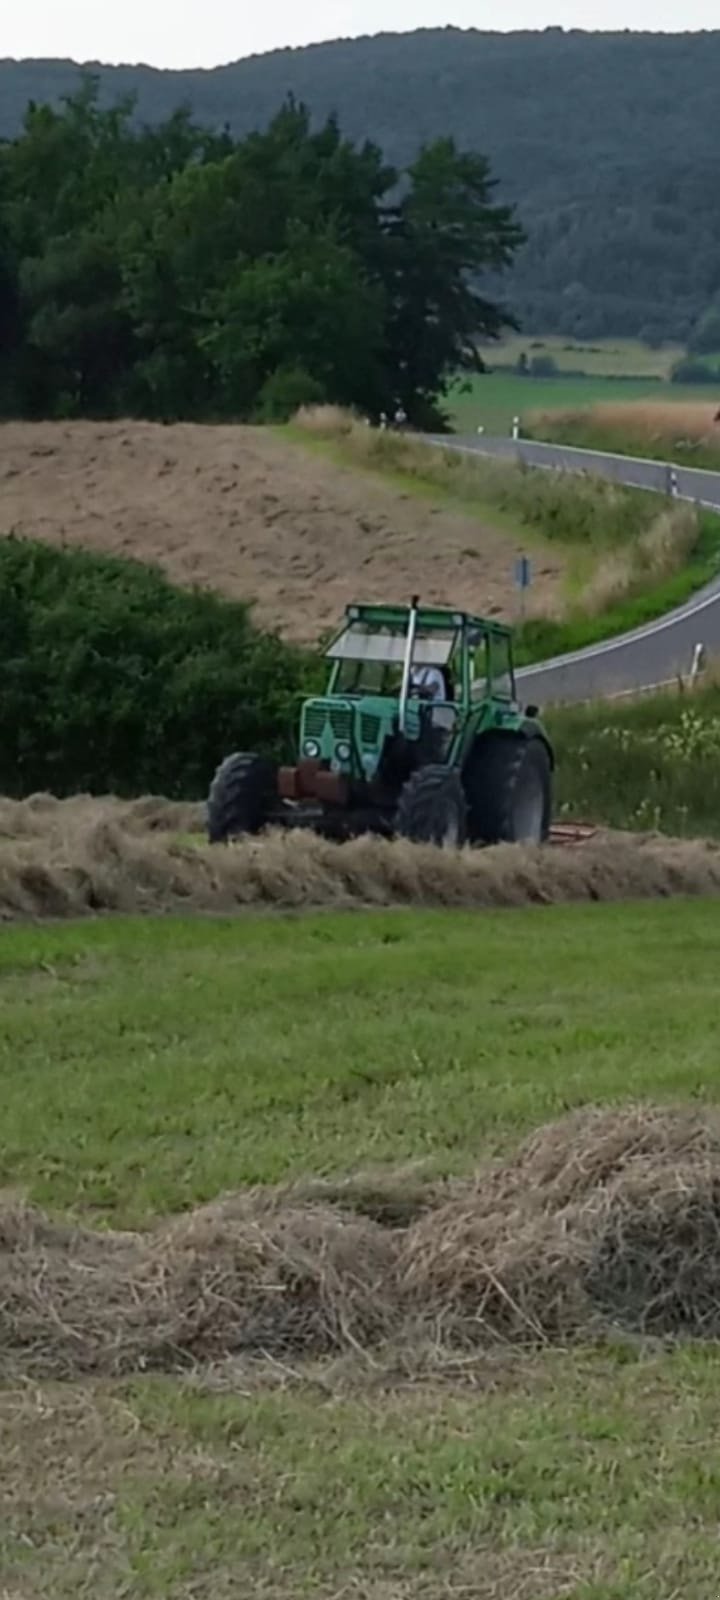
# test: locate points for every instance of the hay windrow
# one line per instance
(604, 1220)
(77, 857)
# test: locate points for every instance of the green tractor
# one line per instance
(419, 736)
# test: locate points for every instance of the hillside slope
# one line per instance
(240, 511)
(605, 141)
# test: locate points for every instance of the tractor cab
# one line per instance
(402, 673)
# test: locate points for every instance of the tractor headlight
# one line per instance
(343, 751)
(311, 749)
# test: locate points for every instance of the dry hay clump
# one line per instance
(256, 1274)
(45, 816)
(604, 1220)
(73, 858)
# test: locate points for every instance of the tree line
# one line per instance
(606, 143)
(172, 271)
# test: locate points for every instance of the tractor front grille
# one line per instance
(369, 729)
(322, 712)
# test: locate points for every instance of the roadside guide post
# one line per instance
(523, 580)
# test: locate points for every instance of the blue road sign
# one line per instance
(523, 573)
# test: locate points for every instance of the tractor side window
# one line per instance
(481, 666)
(501, 668)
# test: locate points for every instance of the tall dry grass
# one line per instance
(626, 543)
(661, 550)
(669, 429)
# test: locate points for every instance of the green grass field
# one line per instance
(494, 398)
(149, 1065)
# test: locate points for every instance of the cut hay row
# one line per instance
(44, 816)
(71, 859)
(604, 1220)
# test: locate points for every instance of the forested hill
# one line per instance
(607, 142)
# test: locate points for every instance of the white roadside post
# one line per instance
(516, 428)
(697, 664)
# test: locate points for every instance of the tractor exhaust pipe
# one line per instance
(407, 664)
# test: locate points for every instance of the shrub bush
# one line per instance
(285, 392)
(113, 680)
(691, 370)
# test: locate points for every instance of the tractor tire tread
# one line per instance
(239, 796)
(493, 776)
(432, 803)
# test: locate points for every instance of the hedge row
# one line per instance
(111, 680)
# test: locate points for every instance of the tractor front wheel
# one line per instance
(509, 790)
(432, 808)
(240, 797)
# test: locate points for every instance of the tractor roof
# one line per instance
(428, 617)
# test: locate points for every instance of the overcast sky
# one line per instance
(184, 33)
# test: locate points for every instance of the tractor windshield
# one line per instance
(370, 660)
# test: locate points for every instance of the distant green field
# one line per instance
(599, 358)
(494, 398)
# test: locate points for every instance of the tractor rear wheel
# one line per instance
(509, 790)
(432, 808)
(240, 796)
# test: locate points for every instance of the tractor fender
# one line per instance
(523, 728)
(533, 730)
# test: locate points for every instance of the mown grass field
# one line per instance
(149, 1065)
(595, 1477)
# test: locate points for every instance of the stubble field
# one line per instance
(435, 1361)
(255, 517)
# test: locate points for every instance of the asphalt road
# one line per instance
(653, 654)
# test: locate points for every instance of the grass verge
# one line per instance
(587, 514)
(540, 638)
(631, 558)
(654, 763)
